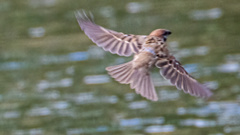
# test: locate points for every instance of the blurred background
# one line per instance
(53, 79)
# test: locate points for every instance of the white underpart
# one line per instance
(149, 49)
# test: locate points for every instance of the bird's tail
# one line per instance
(138, 79)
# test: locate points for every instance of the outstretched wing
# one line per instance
(172, 70)
(112, 41)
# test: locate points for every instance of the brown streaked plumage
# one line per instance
(149, 51)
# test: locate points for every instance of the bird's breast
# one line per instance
(144, 59)
(149, 50)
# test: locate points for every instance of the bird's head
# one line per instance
(161, 33)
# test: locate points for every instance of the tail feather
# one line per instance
(146, 88)
(116, 70)
(141, 89)
(125, 74)
(129, 78)
(120, 72)
(137, 78)
(139, 85)
(135, 82)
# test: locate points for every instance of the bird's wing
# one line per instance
(112, 41)
(172, 70)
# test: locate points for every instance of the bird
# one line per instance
(149, 51)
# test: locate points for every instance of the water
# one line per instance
(136, 7)
(60, 105)
(198, 123)
(214, 13)
(138, 105)
(91, 98)
(39, 111)
(167, 95)
(36, 32)
(139, 121)
(96, 79)
(229, 67)
(189, 52)
(44, 84)
(11, 114)
(160, 129)
(37, 131)
(42, 3)
(53, 78)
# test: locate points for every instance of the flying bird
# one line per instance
(149, 51)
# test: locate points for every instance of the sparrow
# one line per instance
(149, 51)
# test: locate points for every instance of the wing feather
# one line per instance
(109, 40)
(172, 70)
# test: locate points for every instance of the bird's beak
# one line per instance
(166, 34)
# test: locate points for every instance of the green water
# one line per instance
(43, 86)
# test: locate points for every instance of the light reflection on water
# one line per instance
(96, 79)
(36, 131)
(36, 32)
(167, 95)
(39, 111)
(44, 84)
(44, 60)
(138, 105)
(60, 105)
(198, 123)
(214, 13)
(11, 114)
(160, 128)
(45, 93)
(91, 98)
(229, 67)
(42, 3)
(136, 7)
(140, 121)
(227, 113)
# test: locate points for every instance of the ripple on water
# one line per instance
(160, 128)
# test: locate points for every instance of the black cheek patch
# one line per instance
(164, 39)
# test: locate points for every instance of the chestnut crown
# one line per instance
(160, 33)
